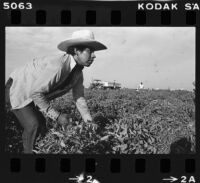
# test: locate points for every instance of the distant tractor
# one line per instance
(98, 84)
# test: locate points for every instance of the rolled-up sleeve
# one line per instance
(81, 104)
(44, 105)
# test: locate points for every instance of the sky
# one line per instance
(160, 57)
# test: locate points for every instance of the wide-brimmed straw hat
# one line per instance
(84, 38)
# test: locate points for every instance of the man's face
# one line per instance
(85, 57)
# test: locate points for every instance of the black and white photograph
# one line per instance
(100, 90)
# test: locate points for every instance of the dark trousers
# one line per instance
(30, 119)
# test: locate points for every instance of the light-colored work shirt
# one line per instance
(37, 80)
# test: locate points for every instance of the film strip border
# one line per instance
(100, 14)
(109, 168)
(90, 165)
(104, 14)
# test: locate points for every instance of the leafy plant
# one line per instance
(129, 122)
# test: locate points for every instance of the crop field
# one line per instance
(129, 122)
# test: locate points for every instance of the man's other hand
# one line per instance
(63, 119)
(92, 125)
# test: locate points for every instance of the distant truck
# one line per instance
(98, 84)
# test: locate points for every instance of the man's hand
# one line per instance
(63, 119)
(92, 125)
